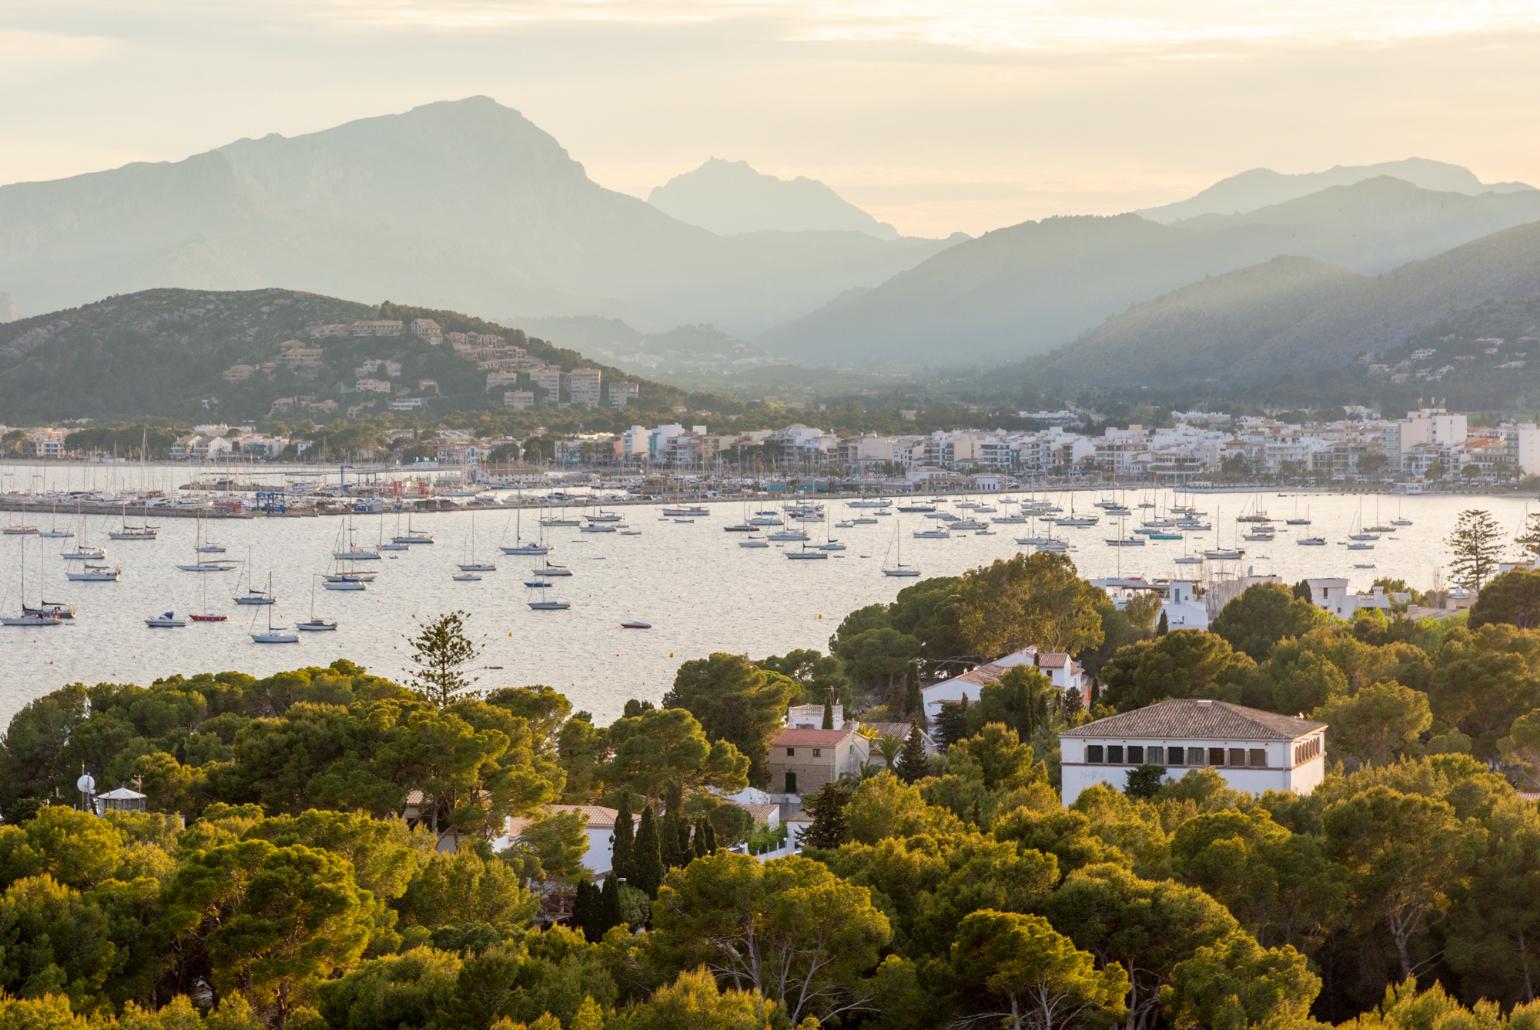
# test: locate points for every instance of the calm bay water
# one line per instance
(698, 588)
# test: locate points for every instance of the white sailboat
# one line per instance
(31, 617)
(898, 569)
(519, 546)
(273, 634)
(471, 565)
(254, 594)
(315, 624)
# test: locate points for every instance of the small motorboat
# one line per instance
(208, 616)
(165, 620)
(316, 625)
(466, 577)
(636, 624)
(549, 606)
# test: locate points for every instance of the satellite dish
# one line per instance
(86, 784)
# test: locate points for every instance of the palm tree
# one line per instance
(889, 747)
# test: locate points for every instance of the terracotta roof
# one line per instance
(800, 737)
(1193, 718)
(599, 817)
(891, 729)
(761, 813)
(1052, 660)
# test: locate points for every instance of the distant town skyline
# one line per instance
(933, 116)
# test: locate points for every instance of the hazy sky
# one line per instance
(933, 115)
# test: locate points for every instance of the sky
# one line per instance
(935, 116)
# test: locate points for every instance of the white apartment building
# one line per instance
(584, 387)
(547, 380)
(1255, 751)
(378, 327)
(1060, 669)
(428, 331)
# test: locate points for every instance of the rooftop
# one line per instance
(800, 737)
(1193, 717)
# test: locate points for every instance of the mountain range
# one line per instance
(730, 197)
(462, 204)
(725, 272)
(1029, 288)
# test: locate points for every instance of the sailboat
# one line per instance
(254, 594)
(353, 552)
(829, 542)
(547, 603)
(898, 569)
(412, 536)
(53, 532)
(205, 614)
(471, 564)
(1400, 520)
(273, 634)
(32, 617)
(82, 551)
(1218, 553)
(314, 624)
(143, 531)
(519, 546)
(805, 554)
(201, 564)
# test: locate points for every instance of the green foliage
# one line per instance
(788, 929)
(1187, 663)
(1034, 599)
(1031, 974)
(736, 702)
(1512, 598)
(647, 860)
(912, 762)
(1263, 615)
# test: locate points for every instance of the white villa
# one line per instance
(1255, 751)
(1332, 595)
(1062, 671)
(600, 852)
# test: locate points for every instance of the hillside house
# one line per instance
(804, 760)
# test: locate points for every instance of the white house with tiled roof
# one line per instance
(598, 856)
(1255, 751)
(803, 760)
(1062, 671)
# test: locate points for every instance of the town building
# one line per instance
(428, 331)
(1255, 751)
(585, 387)
(378, 327)
(804, 760)
(1060, 669)
(599, 852)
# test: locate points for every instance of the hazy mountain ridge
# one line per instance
(1026, 289)
(730, 197)
(1263, 187)
(1292, 320)
(464, 204)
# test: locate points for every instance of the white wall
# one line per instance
(1280, 773)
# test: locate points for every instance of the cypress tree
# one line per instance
(828, 713)
(585, 911)
(623, 857)
(609, 903)
(702, 826)
(649, 855)
(912, 763)
(684, 846)
(1164, 626)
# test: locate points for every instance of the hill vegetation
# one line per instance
(167, 352)
(1292, 326)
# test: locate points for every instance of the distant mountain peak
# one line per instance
(730, 197)
(1263, 187)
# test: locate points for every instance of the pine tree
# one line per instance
(1163, 626)
(649, 855)
(827, 808)
(912, 762)
(623, 856)
(1475, 549)
(1529, 538)
(609, 903)
(952, 723)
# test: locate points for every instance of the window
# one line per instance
(1135, 754)
(1237, 756)
(1114, 754)
(1257, 758)
(1093, 753)
(817, 752)
(1216, 756)
(791, 783)
(791, 752)
(1173, 755)
(1305, 751)
(1195, 756)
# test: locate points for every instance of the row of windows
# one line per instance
(1138, 754)
(1306, 751)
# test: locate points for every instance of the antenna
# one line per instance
(86, 784)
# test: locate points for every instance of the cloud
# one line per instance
(24, 53)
